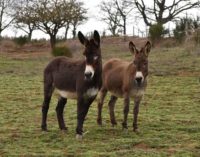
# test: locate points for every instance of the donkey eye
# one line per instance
(96, 57)
(145, 64)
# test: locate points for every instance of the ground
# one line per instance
(169, 117)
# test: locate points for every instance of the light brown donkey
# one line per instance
(127, 80)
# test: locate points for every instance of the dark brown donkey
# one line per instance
(74, 79)
(126, 80)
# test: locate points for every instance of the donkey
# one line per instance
(126, 80)
(74, 79)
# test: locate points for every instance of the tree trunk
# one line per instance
(66, 31)
(0, 34)
(74, 33)
(30, 35)
(52, 41)
(124, 26)
(113, 31)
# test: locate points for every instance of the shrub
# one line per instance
(61, 51)
(156, 31)
(179, 31)
(22, 40)
(197, 37)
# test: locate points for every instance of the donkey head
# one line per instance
(92, 54)
(140, 62)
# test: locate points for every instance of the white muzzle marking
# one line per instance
(139, 75)
(89, 70)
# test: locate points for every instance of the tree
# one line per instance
(124, 9)
(51, 15)
(115, 14)
(161, 11)
(110, 15)
(24, 17)
(5, 12)
(79, 16)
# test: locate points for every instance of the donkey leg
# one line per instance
(59, 110)
(82, 110)
(103, 93)
(136, 110)
(126, 110)
(48, 90)
(111, 105)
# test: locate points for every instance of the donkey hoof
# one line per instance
(64, 128)
(124, 125)
(125, 130)
(136, 130)
(79, 137)
(113, 122)
(44, 128)
(99, 122)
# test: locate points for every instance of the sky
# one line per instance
(94, 23)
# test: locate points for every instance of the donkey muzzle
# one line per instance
(139, 78)
(89, 72)
(88, 75)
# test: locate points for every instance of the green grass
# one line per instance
(169, 118)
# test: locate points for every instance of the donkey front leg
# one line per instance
(135, 112)
(59, 110)
(126, 110)
(82, 110)
(111, 105)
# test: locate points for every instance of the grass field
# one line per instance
(169, 118)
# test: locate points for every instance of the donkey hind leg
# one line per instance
(59, 110)
(126, 110)
(111, 105)
(102, 95)
(48, 90)
(82, 110)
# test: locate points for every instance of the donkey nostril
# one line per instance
(138, 79)
(88, 75)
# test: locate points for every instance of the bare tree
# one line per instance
(5, 14)
(115, 14)
(162, 11)
(79, 16)
(124, 9)
(24, 17)
(110, 15)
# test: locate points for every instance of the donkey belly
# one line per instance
(116, 93)
(90, 92)
(67, 94)
(137, 93)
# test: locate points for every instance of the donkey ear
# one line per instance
(147, 48)
(97, 38)
(82, 38)
(132, 47)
